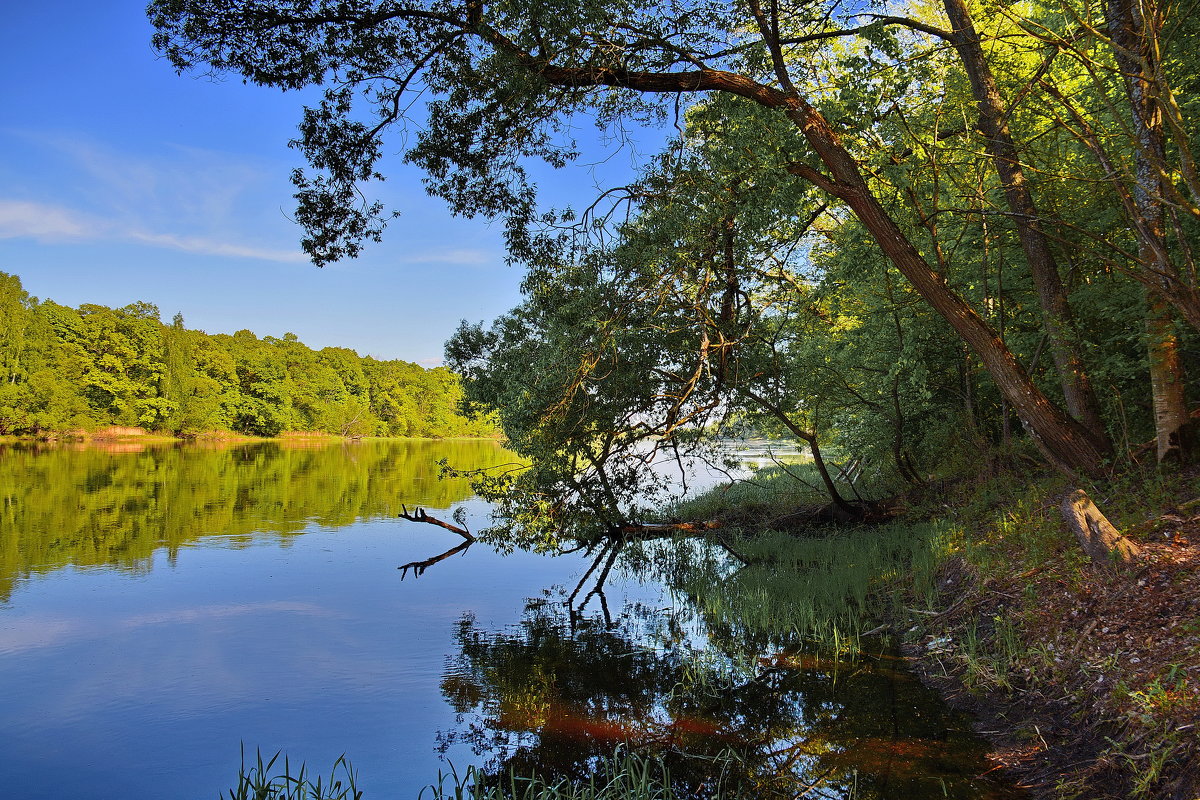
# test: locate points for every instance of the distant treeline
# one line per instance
(67, 369)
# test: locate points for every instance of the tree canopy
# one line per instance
(900, 228)
(65, 369)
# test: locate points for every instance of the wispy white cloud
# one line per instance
(185, 185)
(58, 224)
(457, 256)
(200, 244)
(176, 198)
(44, 222)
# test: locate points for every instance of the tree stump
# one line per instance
(1099, 539)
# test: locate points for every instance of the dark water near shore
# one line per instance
(161, 606)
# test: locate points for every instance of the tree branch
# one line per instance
(418, 515)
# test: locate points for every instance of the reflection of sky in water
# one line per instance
(144, 686)
(33, 632)
(143, 682)
(140, 677)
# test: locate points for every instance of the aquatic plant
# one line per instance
(258, 783)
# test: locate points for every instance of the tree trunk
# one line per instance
(810, 438)
(1096, 535)
(1133, 32)
(1057, 317)
(1064, 441)
(1172, 423)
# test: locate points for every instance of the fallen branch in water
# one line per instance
(418, 515)
(419, 567)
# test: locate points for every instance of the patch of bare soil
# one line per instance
(1085, 678)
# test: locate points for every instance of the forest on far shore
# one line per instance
(70, 369)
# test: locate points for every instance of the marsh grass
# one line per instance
(263, 782)
(830, 584)
(622, 776)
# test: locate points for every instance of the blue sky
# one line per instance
(121, 181)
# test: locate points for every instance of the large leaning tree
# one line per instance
(505, 82)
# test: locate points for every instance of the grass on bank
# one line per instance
(823, 582)
(1090, 675)
(829, 590)
(1091, 672)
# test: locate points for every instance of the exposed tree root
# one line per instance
(653, 529)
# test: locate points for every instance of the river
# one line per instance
(164, 607)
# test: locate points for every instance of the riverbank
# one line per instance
(1085, 677)
(126, 435)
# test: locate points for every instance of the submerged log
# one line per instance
(418, 515)
(1099, 539)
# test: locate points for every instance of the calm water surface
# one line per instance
(161, 606)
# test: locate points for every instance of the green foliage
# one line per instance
(752, 272)
(65, 369)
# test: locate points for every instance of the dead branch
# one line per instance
(419, 567)
(418, 515)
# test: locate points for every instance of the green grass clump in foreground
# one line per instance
(258, 783)
(623, 776)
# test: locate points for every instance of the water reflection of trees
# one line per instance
(557, 693)
(88, 506)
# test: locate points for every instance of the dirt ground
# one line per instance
(1085, 677)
